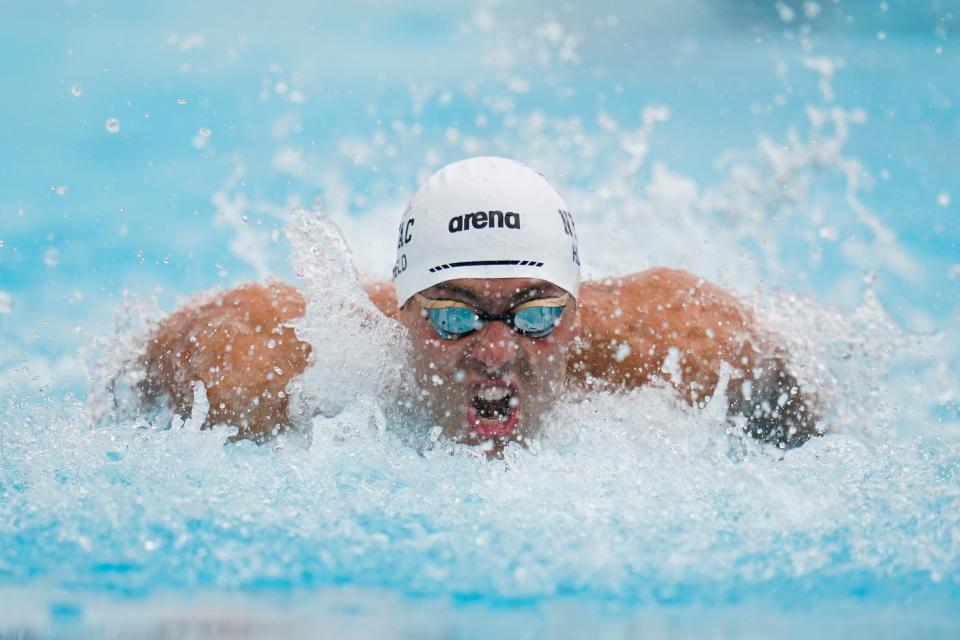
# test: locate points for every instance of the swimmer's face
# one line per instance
(494, 383)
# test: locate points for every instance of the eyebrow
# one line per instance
(465, 294)
(470, 296)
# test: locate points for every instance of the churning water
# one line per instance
(801, 154)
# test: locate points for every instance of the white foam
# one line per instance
(358, 351)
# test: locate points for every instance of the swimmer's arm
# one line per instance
(240, 346)
(671, 325)
(383, 296)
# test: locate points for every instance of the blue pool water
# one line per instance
(803, 154)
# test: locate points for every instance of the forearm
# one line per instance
(768, 402)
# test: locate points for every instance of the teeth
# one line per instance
(492, 394)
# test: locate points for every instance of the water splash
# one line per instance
(631, 498)
(596, 506)
(358, 352)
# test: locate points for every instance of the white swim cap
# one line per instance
(485, 218)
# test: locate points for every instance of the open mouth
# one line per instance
(494, 410)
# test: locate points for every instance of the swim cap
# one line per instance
(485, 218)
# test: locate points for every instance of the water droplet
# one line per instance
(76, 90)
(623, 351)
(200, 141)
(113, 125)
(205, 132)
(3, 243)
(6, 303)
(140, 255)
(51, 257)
(60, 189)
(786, 13)
(166, 260)
(943, 199)
(182, 101)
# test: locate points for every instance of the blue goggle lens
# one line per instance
(455, 322)
(536, 322)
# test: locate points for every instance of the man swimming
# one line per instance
(487, 283)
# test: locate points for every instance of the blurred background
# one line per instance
(152, 150)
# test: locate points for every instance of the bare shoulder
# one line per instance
(662, 291)
(384, 297)
(632, 324)
(240, 346)
(671, 325)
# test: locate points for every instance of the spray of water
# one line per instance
(632, 497)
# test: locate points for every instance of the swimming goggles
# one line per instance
(453, 319)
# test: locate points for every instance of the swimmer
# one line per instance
(487, 282)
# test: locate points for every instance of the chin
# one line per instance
(493, 429)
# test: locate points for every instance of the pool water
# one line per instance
(802, 154)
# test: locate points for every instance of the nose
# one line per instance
(495, 346)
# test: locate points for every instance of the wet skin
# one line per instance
(452, 374)
(660, 324)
